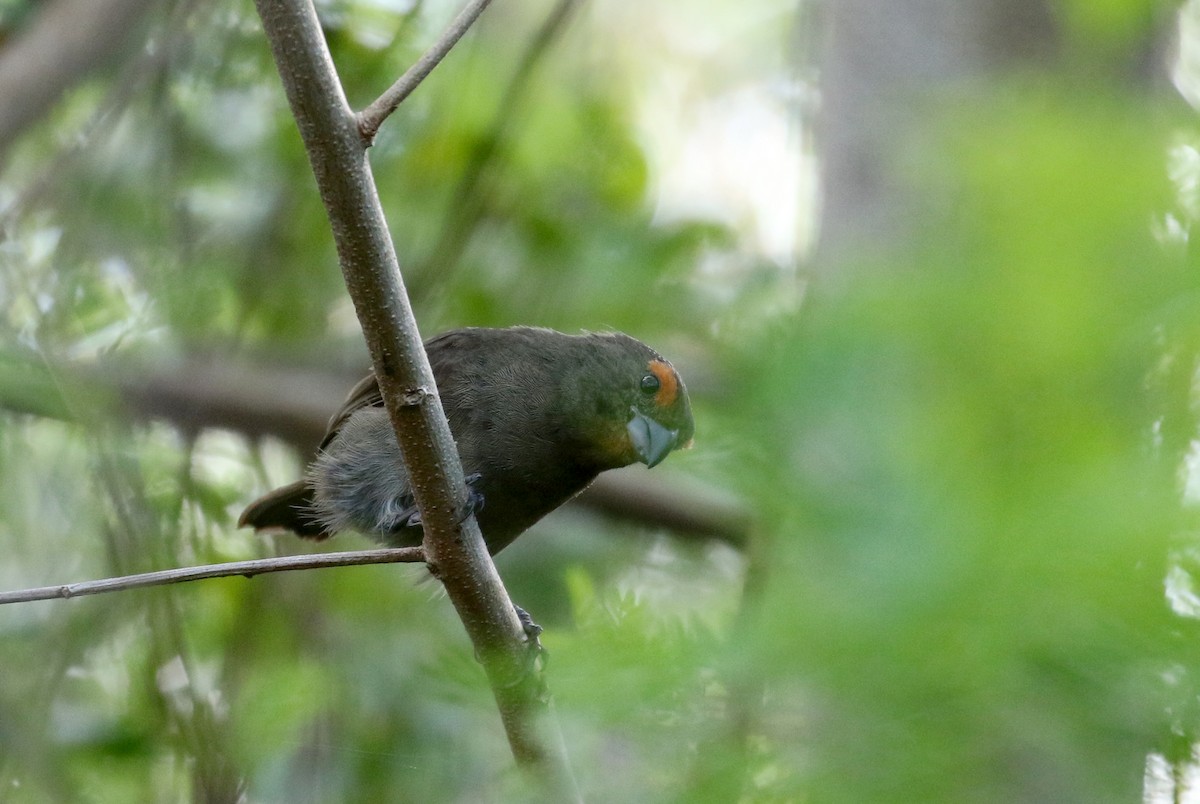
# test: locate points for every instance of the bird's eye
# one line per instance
(650, 384)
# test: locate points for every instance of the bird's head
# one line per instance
(637, 407)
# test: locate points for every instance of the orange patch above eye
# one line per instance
(668, 383)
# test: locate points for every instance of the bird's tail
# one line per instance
(286, 508)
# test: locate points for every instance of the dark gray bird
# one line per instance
(536, 414)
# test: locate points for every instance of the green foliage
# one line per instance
(963, 468)
(975, 558)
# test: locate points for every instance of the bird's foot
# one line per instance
(532, 632)
(410, 517)
(474, 497)
(531, 673)
(401, 514)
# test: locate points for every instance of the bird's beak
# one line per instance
(650, 439)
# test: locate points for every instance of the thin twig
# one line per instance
(371, 118)
(471, 194)
(248, 569)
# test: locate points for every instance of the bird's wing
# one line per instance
(441, 350)
(363, 395)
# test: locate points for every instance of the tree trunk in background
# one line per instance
(889, 67)
(978, 372)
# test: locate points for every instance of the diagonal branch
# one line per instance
(248, 569)
(371, 118)
(454, 549)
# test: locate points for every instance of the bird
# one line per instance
(536, 414)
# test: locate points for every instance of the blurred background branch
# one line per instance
(63, 43)
(261, 400)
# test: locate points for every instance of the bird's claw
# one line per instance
(410, 517)
(536, 654)
(474, 497)
(532, 632)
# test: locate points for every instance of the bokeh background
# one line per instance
(924, 264)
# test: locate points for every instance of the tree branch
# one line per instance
(454, 550)
(371, 118)
(295, 406)
(257, 566)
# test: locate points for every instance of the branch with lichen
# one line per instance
(454, 548)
